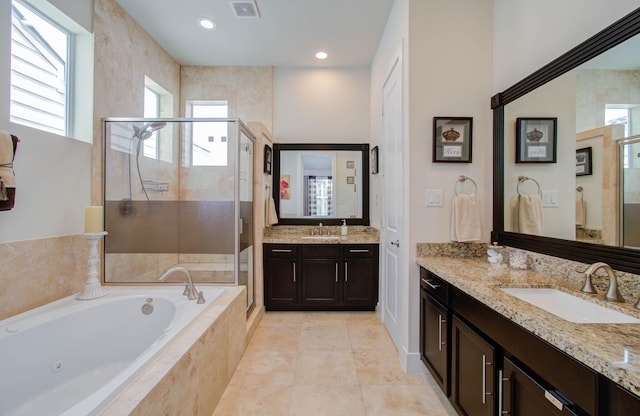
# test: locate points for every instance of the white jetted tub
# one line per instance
(73, 357)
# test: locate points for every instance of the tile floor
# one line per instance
(326, 364)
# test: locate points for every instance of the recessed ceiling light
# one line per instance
(207, 23)
(321, 55)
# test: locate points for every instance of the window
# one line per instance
(617, 115)
(151, 110)
(319, 190)
(39, 71)
(158, 103)
(209, 139)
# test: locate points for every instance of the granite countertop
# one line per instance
(610, 349)
(302, 235)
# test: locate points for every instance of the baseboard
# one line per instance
(414, 364)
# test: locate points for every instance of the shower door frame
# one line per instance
(241, 128)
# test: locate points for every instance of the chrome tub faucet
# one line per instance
(189, 290)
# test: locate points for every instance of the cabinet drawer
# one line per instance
(360, 250)
(319, 251)
(280, 250)
(434, 285)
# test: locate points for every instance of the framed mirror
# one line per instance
(325, 183)
(593, 92)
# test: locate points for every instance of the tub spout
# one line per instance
(190, 289)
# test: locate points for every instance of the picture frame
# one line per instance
(583, 161)
(268, 159)
(374, 160)
(452, 139)
(536, 139)
(351, 164)
(351, 180)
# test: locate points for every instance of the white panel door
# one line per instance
(392, 196)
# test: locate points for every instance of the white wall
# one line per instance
(449, 76)
(321, 105)
(444, 76)
(555, 99)
(53, 173)
(529, 34)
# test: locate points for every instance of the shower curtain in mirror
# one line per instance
(319, 192)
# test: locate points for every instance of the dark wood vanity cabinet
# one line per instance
(360, 287)
(281, 265)
(472, 371)
(321, 270)
(523, 395)
(321, 276)
(496, 367)
(435, 340)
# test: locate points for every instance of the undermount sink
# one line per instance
(570, 307)
(320, 237)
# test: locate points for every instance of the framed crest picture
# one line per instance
(536, 140)
(583, 161)
(452, 138)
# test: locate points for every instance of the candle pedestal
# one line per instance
(93, 289)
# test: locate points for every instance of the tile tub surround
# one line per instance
(192, 374)
(292, 234)
(602, 347)
(40, 271)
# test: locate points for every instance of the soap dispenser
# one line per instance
(343, 229)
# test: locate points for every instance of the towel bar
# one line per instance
(522, 179)
(462, 179)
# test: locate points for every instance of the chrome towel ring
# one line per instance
(522, 179)
(461, 180)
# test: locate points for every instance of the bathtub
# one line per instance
(73, 357)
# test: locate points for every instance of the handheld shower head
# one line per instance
(147, 130)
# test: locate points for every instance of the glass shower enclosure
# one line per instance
(178, 193)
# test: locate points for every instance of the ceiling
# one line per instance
(288, 33)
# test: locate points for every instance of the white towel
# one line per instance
(581, 213)
(6, 160)
(465, 219)
(529, 214)
(270, 212)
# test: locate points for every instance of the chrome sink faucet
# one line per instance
(613, 294)
(189, 290)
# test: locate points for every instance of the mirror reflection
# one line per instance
(580, 197)
(321, 182)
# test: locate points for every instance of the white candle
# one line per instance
(93, 219)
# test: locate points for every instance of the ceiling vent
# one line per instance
(244, 8)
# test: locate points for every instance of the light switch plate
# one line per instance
(550, 199)
(435, 198)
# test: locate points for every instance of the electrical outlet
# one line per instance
(435, 197)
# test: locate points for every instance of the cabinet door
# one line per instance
(360, 282)
(621, 402)
(472, 371)
(321, 282)
(524, 396)
(281, 283)
(434, 345)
